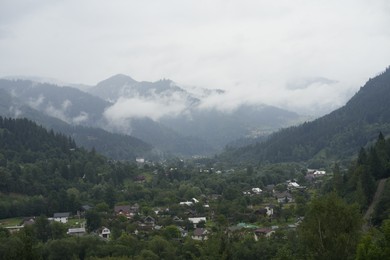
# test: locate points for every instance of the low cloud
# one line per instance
(66, 104)
(316, 98)
(306, 96)
(36, 103)
(244, 47)
(82, 117)
(57, 113)
(15, 111)
(141, 107)
(304, 83)
(51, 110)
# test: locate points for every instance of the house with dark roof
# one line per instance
(123, 210)
(61, 217)
(265, 232)
(284, 197)
(149, 221)
(200, 234)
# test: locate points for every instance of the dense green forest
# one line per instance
(331, 137)
(43, 173)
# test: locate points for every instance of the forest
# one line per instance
(332, 137)
(43, 173)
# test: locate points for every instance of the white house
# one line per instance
(196, 221)
(256, 190)
(105, 233)
(140, 160)
(61, 217)
(188, 203)
(293, 184)
(270, 210)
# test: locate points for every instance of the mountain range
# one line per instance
(333, 137)
(151, 118)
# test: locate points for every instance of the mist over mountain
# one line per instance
(334, 136)
(190, 111)
(175, 120)
(16, 102)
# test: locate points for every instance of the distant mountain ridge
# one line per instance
(161, 113)
(15, 101)
(212, 127)
(334, 136)
(121, 85)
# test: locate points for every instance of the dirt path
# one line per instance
(370, 210)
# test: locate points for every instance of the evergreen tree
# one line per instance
(331, 228)
(337, 179)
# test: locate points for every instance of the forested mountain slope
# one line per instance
(58, 107)
(42, 172)
(338, 134)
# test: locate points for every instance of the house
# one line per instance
(134, 209)
(320, 173)
(139, 160)
(123, 210)
(316, 172)
(257, 190)
(28, 221)
(140, 178)
(266, 232)
(14, 229)
(157, 227)
(85, 208)
(61, 217)
(76, 231)
(147, 224)
(270, 210)
(190, 212)
(177, 219)
(293, 184)
(187, 203)
(183, 232)
(105, 233)
(284, 197)
(149, 221)
(200, 234)
(196, 221)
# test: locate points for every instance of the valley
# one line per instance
(62, 199)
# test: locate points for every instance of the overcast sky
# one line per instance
(308, 56)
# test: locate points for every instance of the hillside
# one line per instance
(334, 136)
(43, 172)
(183, 111)
(20, 99)
(170, 118)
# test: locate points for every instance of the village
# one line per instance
(268, 210)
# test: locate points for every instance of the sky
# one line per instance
(306, 56)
